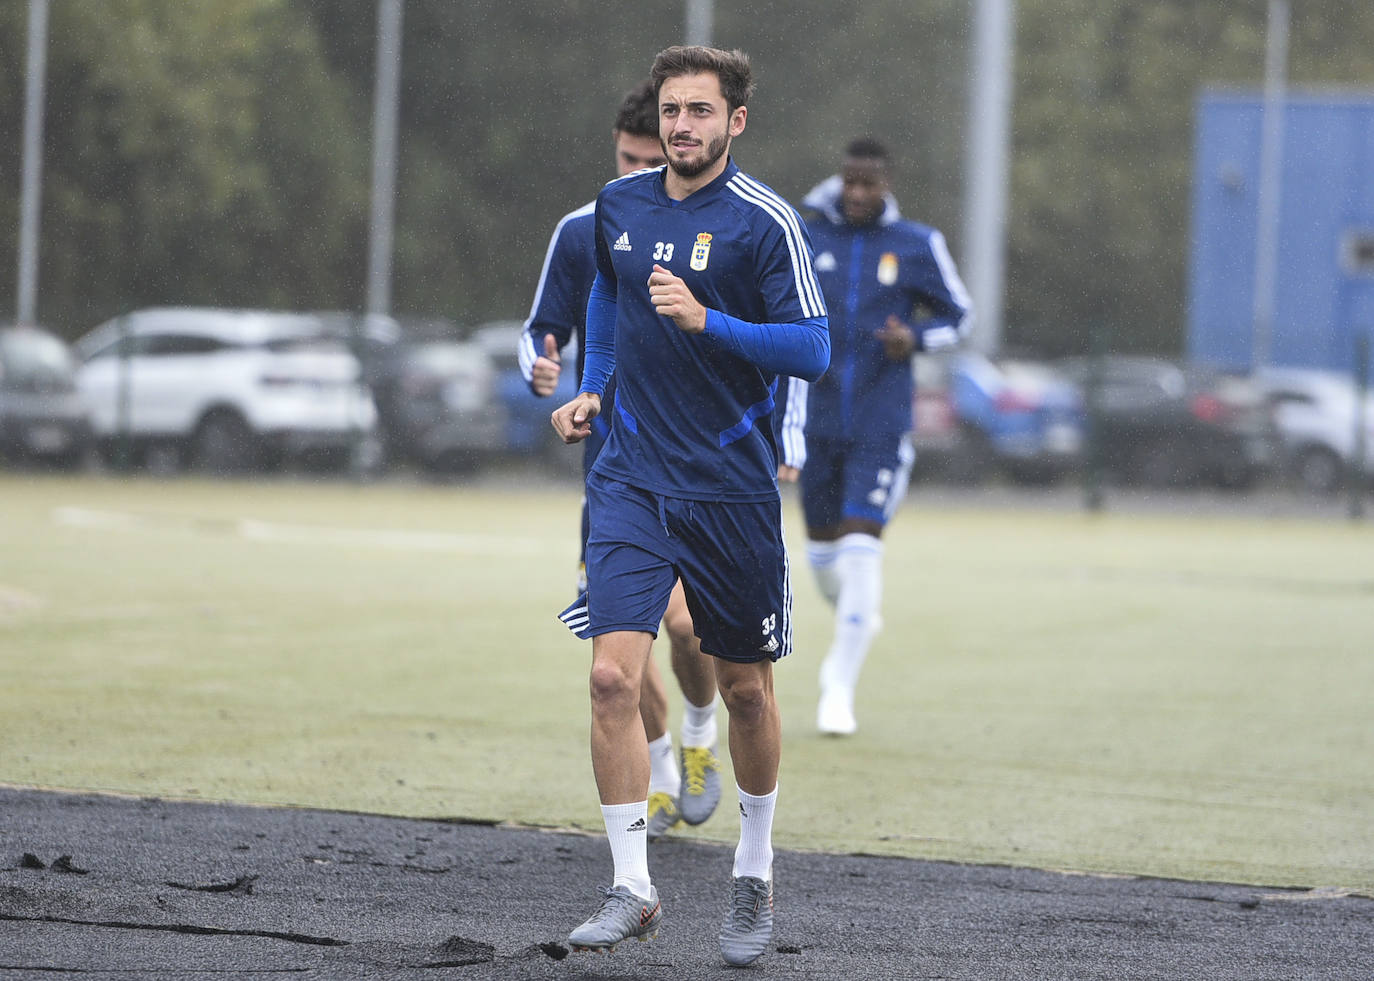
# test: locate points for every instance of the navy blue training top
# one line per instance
(692, 411)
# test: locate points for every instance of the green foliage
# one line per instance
(196, 153)
(219, 152)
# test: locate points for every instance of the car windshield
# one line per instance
(32, 359)
(444, 358)
(306, 343)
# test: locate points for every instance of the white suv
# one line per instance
(223, 390)
(1315, 417)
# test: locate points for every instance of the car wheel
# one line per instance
(1237, 475)
(224, 444)
(162, 458)
(972, 461)
(450, 463)
(1318, 468)
(1163, 463)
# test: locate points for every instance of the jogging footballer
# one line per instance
(686, 788)
(704, 295)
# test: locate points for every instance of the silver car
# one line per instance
(43, 418)
(1315, 415)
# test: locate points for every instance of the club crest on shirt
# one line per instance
(887, 268)
(701, 251)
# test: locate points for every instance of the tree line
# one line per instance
(219, 152)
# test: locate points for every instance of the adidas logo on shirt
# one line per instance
(639, 825)
(622, 244)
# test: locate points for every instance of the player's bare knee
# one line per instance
(746, 698)
(612, 689)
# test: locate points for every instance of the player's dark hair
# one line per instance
(730, 67)
(867, 148)
(638, 115)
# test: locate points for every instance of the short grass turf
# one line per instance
(1174, 696)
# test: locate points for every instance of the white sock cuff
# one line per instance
(750, 800)
(858, 543)
(821, 553)
(821, 556)
(664, 775)
(699, 723)
(621, 817)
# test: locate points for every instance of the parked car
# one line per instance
(223, 390)
(43, 418)
(975, 417)
(1162, 424)
(1029, 417)
(934, 426)
(528, 431)
(1314, 416)
(435, 392)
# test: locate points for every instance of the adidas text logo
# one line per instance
(639, 825)
(771, 646)
(622, 244)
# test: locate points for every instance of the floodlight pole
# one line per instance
(385, 101)
(985, 190)
(700, 14)
(1270, 184)
(30, 194)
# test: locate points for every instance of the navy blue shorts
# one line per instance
(729, 556)
(591, 449)
(864, 479)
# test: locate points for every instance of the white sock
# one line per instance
(664, 774)
(821, 555)
(754, 854)
(698, 723)
(627, 827)
(859, 562)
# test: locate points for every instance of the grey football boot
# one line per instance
(663, 815)
(748, 922)
(620, 916)
(700, 783)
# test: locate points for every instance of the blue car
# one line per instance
(528, 430)
(1017, 418)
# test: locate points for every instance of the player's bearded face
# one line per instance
(688, 158)
(696, 124)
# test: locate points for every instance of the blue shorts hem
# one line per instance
(877, 516)
(611, 628)
(751, 659)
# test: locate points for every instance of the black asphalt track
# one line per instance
(109, 887)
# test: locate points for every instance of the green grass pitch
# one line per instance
(1174, 696)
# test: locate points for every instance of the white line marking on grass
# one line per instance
(277, 533)
(434, 541)
(87, 518)
(14, 601)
